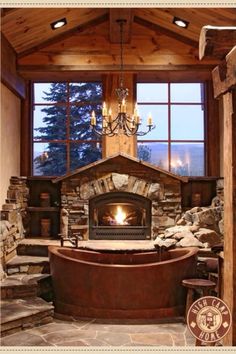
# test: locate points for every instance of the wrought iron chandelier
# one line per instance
(123, 123)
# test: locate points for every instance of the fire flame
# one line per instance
(120, 216)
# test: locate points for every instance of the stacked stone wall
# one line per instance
(12, 221)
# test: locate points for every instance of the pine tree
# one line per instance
(83, 98)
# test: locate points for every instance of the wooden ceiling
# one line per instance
(90, 38)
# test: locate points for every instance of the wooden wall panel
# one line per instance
(121, 143)
(9, 139)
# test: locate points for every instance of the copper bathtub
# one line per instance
(120, 285)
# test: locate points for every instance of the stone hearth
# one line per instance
(121, 173)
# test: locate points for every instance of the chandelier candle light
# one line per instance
(122, 123)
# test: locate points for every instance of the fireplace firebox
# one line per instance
(120, 216)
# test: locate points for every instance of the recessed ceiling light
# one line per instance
(181, 23)
(59, 23)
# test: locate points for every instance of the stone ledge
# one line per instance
(19, 314)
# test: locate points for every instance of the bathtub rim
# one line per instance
(54, 250)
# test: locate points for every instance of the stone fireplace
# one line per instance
(146, 198)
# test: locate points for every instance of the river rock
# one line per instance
(189, 241)
(164, 243)
(171, 231)
(181, 221)
(209, 236)
(180, 235)
(120, 181)
(216, 202)
(207, 217)
(221, 226)
(195, 210)
(194, 228)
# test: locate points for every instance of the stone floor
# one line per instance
(77, 332)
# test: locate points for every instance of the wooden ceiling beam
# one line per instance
(118, 14)
(26, 70)
(159, 29)
(64, 35)
(224, 75)
(216, 41)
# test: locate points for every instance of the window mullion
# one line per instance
(169, 128)
(67, 127)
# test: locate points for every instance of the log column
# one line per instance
(217, 42)
(120, 143)
(229, 285)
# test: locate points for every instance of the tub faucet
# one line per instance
(73, 240)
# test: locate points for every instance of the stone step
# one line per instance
(26, 285)
(28, 265)
(19, 314)
(37, 246)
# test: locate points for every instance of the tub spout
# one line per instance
(73, 240)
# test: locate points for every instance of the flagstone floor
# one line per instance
(76, 332)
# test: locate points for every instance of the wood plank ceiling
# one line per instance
(90, 40)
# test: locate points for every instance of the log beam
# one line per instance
(159, 29)
(9, 75)
(216, 41)
(224, 75)
(229, 276)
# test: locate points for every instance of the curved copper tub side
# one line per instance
(129, 286)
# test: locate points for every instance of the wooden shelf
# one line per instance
(42, 209)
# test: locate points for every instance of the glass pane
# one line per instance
(155, 153)
(187, 159)
(187, 93)
(80, 122)
(85, 91)
(49, 122)
(187, 122)
(160, 119)
(152, 92)
(49, 159)
(50, 92)
(84, 154)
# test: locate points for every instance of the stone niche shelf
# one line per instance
(37, 212)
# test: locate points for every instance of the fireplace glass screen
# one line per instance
(120, 216)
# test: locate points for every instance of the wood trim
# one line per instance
(63, 35)
(212, 133)
(9, 75)
(26, 133)
(154, 27)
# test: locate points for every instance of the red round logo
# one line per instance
(209, 319)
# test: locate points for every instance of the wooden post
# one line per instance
(229, 276)
(120, 143)
(217, 41)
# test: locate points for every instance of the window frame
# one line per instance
(67, 105)
(169, 104)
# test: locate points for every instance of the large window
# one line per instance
(177, 143)
(62, 138)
